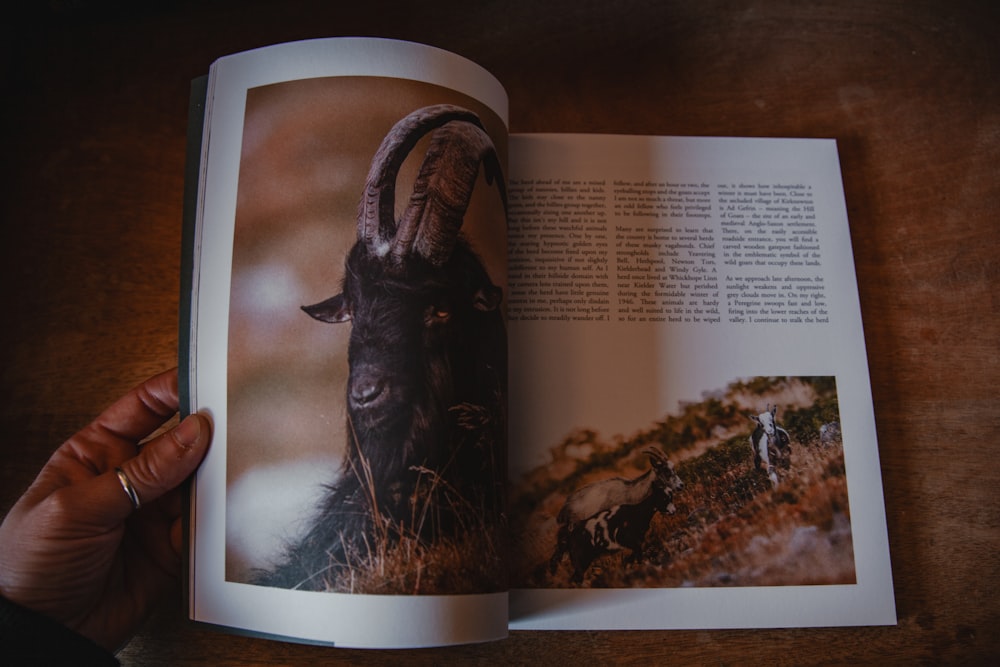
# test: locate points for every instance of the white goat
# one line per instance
(769, 443)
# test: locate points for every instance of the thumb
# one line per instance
(164, 462)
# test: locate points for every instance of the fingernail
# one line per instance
(188, 431)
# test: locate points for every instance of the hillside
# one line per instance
(730, 527)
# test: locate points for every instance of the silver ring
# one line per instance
(128, 488)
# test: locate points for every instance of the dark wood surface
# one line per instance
(95, 102)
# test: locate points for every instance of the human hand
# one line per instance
(74, 548)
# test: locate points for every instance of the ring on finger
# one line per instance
(128, 488)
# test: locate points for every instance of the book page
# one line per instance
(338, 503)
(690, 405)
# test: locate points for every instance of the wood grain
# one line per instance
(93, 152)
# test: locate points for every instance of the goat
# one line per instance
(769, 444)
(605, 494)
(615, 529)
(829, 433)
(427, 357)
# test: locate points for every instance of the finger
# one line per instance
(113, 436)
(102, 503)
(142, 410)
(108, 440)
(169, 459)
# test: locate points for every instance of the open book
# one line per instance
(464, 381)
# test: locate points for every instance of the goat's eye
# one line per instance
(437, 314)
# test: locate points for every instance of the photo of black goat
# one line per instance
(427, 356)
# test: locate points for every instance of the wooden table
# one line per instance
(95, 102)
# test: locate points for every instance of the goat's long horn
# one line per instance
(655, 453)
(443, 189)
(376, 217)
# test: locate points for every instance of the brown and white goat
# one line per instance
(616, 529)
(607, 493)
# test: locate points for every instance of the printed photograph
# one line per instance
(745, 487)
(367, 364)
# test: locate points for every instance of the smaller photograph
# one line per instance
(746, 487)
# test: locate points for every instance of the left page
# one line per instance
(346, 335)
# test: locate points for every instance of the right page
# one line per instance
(692, 436)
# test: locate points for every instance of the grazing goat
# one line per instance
(427, 356)
(605, 494)
(615, 529)
(769, 444)
(829, 433)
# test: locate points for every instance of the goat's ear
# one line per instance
(487, 298)
(332, 310)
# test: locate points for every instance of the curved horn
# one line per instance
(443, 189)
(656, 454)
(376, 218)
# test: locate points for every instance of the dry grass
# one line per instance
(730, 529)
(450, 545)
(470, 563)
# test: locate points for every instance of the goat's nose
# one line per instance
(366, 390)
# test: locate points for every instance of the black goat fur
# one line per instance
(426, 404)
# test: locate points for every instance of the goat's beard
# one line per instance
(389, 445)
(415, 456)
